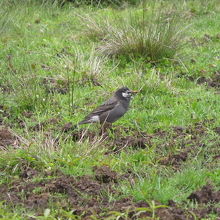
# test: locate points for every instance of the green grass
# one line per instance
(41, 42)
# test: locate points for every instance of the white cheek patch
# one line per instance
(124, 94)
(94, 118)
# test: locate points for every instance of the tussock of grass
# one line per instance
(152, 36)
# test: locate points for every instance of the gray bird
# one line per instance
(111, 110)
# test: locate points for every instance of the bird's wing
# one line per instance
(105, 107)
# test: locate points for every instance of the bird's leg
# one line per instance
(104, 127)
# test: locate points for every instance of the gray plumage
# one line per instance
(111, 110)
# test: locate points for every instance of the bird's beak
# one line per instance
(134, 92)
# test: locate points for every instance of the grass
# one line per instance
(148, 34)
(52, 67)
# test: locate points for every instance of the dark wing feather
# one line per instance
(105, 107)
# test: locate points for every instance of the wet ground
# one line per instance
(85, 195)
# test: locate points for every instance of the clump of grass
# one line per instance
(149, 35)
(28, 94)
(86, 68)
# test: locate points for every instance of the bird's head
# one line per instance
(124, 93)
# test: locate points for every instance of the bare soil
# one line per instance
(205, 195)
(56, 85)
(213, 81)
(85, 195)
(7, 139)
(105, 175)
(188, 140)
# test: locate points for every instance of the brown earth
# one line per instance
(197, 42)
(180, 143)
(56, 85)
(119, 142)
(7, 139)
(187, 141)
(85, 195)
(213, 81)
(175, 160)
(41, 125)
(105, 175)
(205, 195)
(217, 130)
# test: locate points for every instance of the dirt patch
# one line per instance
(6, 88)
(205, 195)
(217, 130)
(181, 143)
(41, 125)
(84, 134)
(105, 175)
(197, 42)
(88, 80)
(7, 139)
(85, 195)
(116, 142)
(27, 114)
(213, 81)
(183, 139)
(174, 146)
(175, 211)
(68, 127)
(176, 160)
(56, 85)
(129, 141)
(61, 184)
(26, 171)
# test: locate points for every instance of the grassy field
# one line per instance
(59, 62)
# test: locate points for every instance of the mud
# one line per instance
(7, 139)
(175, 211)
(84, 193)
(178, 144)
(176, 160)
(210, 82)
(85, 196)
(105, 175)
(129, 141)
(205, 195)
